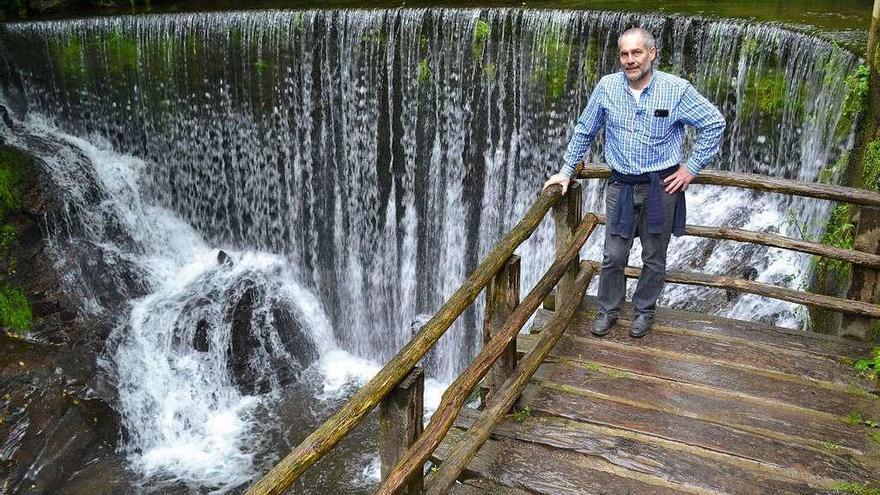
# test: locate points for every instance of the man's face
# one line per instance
(635, 59)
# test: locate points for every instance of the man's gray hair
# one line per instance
(646, 36)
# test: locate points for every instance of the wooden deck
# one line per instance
(702, 405)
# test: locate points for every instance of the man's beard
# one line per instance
(642, 72)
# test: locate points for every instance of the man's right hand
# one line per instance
(558, 179)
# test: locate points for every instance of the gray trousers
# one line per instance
(612, 283)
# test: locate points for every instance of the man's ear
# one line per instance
(652, 53)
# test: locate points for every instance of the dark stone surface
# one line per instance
(53, 422)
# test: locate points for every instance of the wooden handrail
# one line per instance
(764, 239)
(766, 183)
(320, 441)
(458, 391)
(782, 293)
(466, 448)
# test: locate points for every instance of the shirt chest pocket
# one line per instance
(659, 126)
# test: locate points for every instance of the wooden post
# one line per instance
(400, 424)
(566, 216)
(864, 285)
(502, 297)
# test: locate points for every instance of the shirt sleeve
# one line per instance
(588, 124)
(696, 110)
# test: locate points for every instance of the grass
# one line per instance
(15, 311)
(855, 488)
(520, 415)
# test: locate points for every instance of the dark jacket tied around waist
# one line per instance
(621, 220)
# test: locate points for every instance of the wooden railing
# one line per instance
(398, 386)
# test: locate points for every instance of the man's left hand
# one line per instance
(679, 180)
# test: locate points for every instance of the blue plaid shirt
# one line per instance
(646, 136)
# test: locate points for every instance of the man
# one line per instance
(643, 112)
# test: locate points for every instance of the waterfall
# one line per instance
(355, 165)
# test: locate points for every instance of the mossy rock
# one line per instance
(15, 310)
(551, 62)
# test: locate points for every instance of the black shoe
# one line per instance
(602, 324)
(640, 326)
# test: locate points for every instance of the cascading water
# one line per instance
(355, 166)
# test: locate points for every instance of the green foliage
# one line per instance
(766, 93)
(15, 311)
(591, 61)
(871, 174)
(830, 446)
(856, 98)
(551, 64)
(481, 35)
(11, 163)
(521, 415)
(481, 31)
(68, 57)
(424, 71)
(122, 53)
(869, 367)
(856, 488)
(8, 234)
(830, 173)
(839, 232)
(855, 418)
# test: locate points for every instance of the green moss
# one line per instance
(550, 67)
(870, 366)
(481, 31)
(830, 446)
(766, 92)
(67, 55)
(481, 35)
(856, 98)
(521, 415)
(121, 52)
(15, 311)
(871, 174)
(856, 488)
(839, 232)
(853, 418)
(749, 47)
(11, 165)
(424, 71)
(830, 173)
(591, 62)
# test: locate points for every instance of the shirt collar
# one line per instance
(647, 89)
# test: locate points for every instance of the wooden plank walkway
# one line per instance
(702, 405)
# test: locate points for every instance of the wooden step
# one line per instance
(592, 351)
(749, 331)
(794, 425)
(676, 462)
(828, 464)
(768, 360)
(537, 468)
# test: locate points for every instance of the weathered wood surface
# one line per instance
(400, 424)
(536, 468)
(736, 331)
(320, 441)
(684, 409)
(683, 464)
(773, 419)
(804, 367)
(458, 458)
(502, 297)
(773, 240)
(719, 376)
(760, 182)
(455, 395)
